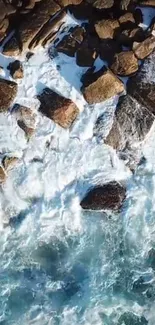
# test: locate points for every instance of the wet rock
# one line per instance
(107, 28)
(59, 109)
(71, 42)
(109, 196)
(9, 162)
(26, 119)
(129, 318)
(29, 55)
(2, 175)
(108, 49)
(146, 3)
(85, 56)
(124, 63)
(130, 35)
(101, 86)
(12, 47)
(16, 69)
(8, 91)
(145, 48)
(101, 4)
(132, 124)
(142, 85)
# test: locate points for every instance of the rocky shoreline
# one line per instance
(112, 31)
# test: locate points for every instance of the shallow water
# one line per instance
(59, 264)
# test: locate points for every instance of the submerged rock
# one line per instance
(59, 109)
(8, 91)
(100, 86)
(109, 196)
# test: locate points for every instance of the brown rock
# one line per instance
(127, 4)
(107, 28)
(128, 17)
(109, 196)
(101, 4)
(9, 162)
(16, 69)
(130, 35)
(59, 109)
(3, 10)
(26, 119)
(71, 42)
(124, 63)
(145, 48)
(3, 28)
(145, 3)
(101, 86)
(8, 91)
(65, 3)
(2, 175)
(11, 47)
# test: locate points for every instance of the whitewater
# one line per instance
(60, 265)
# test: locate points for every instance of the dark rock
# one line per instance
(145, 48)
(8, 91)
(59, 109)
(26, 119)
(82, 11)
(108, 49)
(138, 15)
(107, 28)
(100, 86)
(124, 63)
(16, 69)
(29, 55)
(131, 34)
(3, 28)
(85, 56)
(12, 47)
(142, 85)
(102, 4)
(129, 318)
(132, 123)
(127, 4)
(65, 3)
(109, 196)
(71, 42)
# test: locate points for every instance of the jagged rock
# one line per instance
(145, 3)
(128, 17)
(124, 63)
(131, 125)
(71, 42)
(101, 86)
(59, 109)
(16, 69)
(131, 34)
(108, 49)
(8, 91)
(101, 4)
(109, 196)
(35, 20)
(9, 162)
(26, 119)
(107, 28)
(145, 48)
(129, 318)
(12, 47)
(85, 56)
(2, 175)
(142, 85)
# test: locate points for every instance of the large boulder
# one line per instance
(59, 109)
(100, 86)
(145, 48)
(124, 63)
(107, 28)
(8, 91)
(142, 85)
(131, 125)
(109, 196)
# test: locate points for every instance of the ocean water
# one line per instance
(60, 265)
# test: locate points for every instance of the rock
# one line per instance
(131, 125)
(9, 162)
(29, 55)
(128, 17)
(59, 109)
(145, 3)
(129, 318)
(145, 48)
(124, 63)
(131, 34)
(16, 69)
(2, 175)
(85, 56)
(142, 85)
(12, 47)
(8, 91)
(107, 28)
(127, 4)
(101, 4)
(26, 119)
(65, 3)
(138, 15)
(71, 42)
(83, 11)
(3, 10)
(108, 49)
(3, 28)
(101, 86)
(109, 196)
